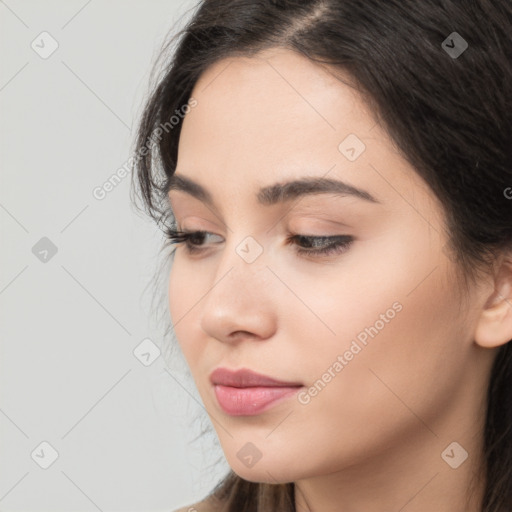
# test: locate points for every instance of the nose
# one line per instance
(241, 302)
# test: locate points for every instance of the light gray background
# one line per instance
(69, 325)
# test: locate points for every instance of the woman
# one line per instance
(336, 187)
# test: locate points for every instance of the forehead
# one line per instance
(278, 115)
(279, 100)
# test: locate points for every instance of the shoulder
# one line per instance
(206, 505)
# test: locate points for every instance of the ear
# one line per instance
(494, 326)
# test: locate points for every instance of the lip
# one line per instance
(247, 393)
(245, 378)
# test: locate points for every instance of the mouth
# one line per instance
(247, 393)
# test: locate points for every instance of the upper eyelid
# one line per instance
(300, 234)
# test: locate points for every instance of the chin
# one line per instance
(264, 473)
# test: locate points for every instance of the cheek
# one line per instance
(176, 289)
(402, 350)
(183, 294)
(396, 326)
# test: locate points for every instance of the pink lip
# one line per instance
(245, 378)
(244, 392)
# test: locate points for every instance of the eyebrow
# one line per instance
(279, 192)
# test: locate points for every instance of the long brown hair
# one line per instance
(450, 116)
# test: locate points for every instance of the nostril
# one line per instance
(241, 334)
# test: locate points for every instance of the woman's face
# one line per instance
(374, 333)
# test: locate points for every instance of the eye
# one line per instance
(321, 245)
(305, 245)
(191, 239)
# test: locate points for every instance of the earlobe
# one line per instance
(494, 326)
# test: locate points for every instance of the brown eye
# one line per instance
(321, 245)
(191, 239)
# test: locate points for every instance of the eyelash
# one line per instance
(340, 243)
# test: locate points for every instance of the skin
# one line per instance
(372, 438)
